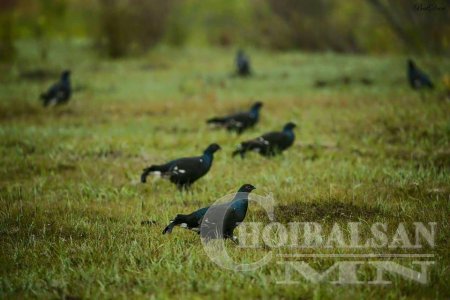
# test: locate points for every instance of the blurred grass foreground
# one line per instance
(76, 222)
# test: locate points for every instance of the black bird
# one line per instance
(220, 221)
(58, 93)
(269, 144)
(417, 78)
(239, 122)
(242, 64)
(184, 171)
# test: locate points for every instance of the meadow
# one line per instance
(72, 205)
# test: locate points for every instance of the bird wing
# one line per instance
(214, 221)
(418, 78)
(232, 219)
(266, 144)
(267, 140)
(242, 61)
(424, 78)
(52, 91)
(275, 139)
(272, 137)
(194, 220)
(185, 165)
(187, 170)
(221, 220)
(58, 93)
(240, 119)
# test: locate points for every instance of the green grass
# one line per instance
(72, 205)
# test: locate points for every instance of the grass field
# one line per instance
(72, 204)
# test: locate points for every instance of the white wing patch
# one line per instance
(185, 226)
(54, 101)
(156, 173)
(177, 170)
(207, 221)
(265, 142)
(236, 123)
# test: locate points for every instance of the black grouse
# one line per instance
(184, 171)
(242, 64)
(417, 78)
(220, 220)
(58, 93)
(239, 122)
(270, 143)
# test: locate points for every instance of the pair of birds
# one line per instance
(268, 144)
(183, 172)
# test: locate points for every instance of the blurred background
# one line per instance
(119, 28)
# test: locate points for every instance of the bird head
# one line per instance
(411, 63)
(257, 105)
(65, 74)
(246, 188)
(212, 148)
(289, 126)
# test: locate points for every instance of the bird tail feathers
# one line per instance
(247, 146)
(45, 99)
(169, 228)
(150, 170)
(216, 120)
(179, 219)
(241, 151)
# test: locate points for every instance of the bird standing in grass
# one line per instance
(58, 93)
(242, 64)
(239, 122)
(184, 171)
(417, 78)
(269, 144)
(220, 220)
